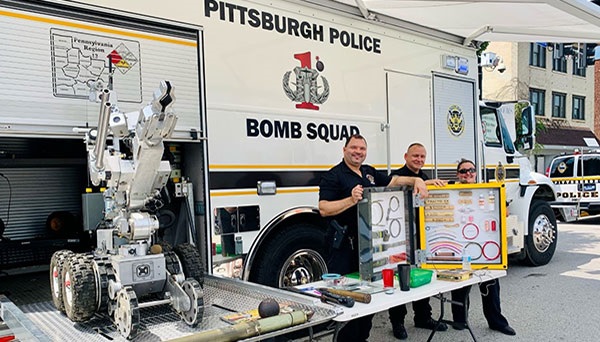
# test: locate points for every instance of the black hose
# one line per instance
(9, 201)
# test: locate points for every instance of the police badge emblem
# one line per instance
(456, 120)
(371, 179)
(500, 172)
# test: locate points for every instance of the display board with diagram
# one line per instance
(464, 220)
(385, 230)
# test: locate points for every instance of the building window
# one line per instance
(559, 61)
(537, 55)
(558, 105)
(537, 98)
(576, 69)
(578, 107)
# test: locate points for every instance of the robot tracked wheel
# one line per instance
(127, 313)
(194, 292)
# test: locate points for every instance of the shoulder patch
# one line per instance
(371, 179)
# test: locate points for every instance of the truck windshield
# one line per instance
(495, 132)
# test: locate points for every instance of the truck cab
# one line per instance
(531, 225)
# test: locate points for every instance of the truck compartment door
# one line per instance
(454, 102)
(409, 108)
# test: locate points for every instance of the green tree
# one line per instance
(481, 47)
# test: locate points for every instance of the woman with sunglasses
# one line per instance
(490, 290)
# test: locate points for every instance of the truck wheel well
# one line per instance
(308, 218)
(544, 193)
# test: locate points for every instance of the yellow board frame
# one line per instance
(501, 219)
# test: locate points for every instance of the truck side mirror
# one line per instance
(527, 128)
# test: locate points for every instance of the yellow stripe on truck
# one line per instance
(95, 28)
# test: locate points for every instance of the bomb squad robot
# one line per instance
(128, 262)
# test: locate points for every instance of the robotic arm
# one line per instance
(135, 181)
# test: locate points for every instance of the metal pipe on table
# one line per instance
(247, 329)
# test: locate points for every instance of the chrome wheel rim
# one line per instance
(543, 233)
(303, 267)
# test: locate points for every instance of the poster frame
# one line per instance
(498, 214)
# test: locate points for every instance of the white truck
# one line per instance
(267, 92)
(576, 177)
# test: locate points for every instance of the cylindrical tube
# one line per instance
(102, 129)
(357, 296)
(247, 329)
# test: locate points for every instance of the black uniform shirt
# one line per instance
(338, 183)
(405, 171)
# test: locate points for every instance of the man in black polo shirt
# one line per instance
(415, 159)
(339, 191)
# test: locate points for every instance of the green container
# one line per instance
(419, 277)
(354, 275)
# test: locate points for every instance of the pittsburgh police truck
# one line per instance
(266, 92)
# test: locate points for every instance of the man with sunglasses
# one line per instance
(490, 290)
(415, 159)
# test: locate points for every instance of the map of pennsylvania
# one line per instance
(80, 59)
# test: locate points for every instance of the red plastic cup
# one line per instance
(388, 278)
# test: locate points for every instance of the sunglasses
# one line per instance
(463, 171)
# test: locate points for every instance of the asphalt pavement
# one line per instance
(556, 302)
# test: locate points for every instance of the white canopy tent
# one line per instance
(486, 20)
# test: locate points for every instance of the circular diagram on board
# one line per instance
(491, 250)
(470, 231)
(474, 250)
(376, 213)
(395, 228)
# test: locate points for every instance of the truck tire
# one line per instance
(541, 242)
(79, 288)
(62, 224)
(294, 256)
(166, 247)
(191, 262)
(56, 281)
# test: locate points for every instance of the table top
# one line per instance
(382, 301)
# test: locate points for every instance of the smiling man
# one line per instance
(341, 188)
(415, 160)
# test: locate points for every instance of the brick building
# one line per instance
(560, 90)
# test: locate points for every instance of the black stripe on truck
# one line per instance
(509, 173)
(227, 180)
